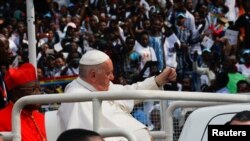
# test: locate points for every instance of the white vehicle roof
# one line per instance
(195, 127)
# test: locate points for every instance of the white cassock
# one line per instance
(116, 114)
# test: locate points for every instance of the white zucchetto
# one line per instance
(93, 57)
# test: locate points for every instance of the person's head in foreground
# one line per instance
(96, 68)
(241, 118)
(79, 135)
(22, 81)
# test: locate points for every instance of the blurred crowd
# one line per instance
(207, 41)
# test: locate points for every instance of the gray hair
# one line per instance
(84, 70)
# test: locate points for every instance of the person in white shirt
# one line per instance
(96, 74)
(147, 53)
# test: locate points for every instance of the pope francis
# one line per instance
(96, 74)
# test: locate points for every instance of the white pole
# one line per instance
(97, 113)
(30, 10)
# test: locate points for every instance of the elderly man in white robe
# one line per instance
(96, 74)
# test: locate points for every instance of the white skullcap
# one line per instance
(93, 57)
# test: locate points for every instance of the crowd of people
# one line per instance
(141, 37)
(205, 41)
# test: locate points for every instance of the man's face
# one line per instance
(59, 62)
(31, 88)
(93, 22)
(20, 28)
(146, 24)
(243, 88)
(179, 6)
(181, 21)
(102, 26)
(5, 48)
(130, 44)
(156, 25)
(144, 40)
(103, 76)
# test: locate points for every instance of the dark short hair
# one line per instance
(242, 116)
(222, 79)
(242, 82)
(77, 135)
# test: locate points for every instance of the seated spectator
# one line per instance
(40, 73)
(243, 86)
(233, 74)
(73, 64)
(50, 69)
(220, 85)
(241, 24)
(19, 85)
(146, 52)
(96, 74)
(79, 135)
(60, 64)
(186, 84)
(206, 69)
(130, 62)
(155, 118)
(139, 114)
(244, 67)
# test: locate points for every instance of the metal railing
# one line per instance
(182, 104)
(97, 97)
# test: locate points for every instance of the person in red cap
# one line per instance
(22, 81)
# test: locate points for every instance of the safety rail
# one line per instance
(97, 97)
(183, 104)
